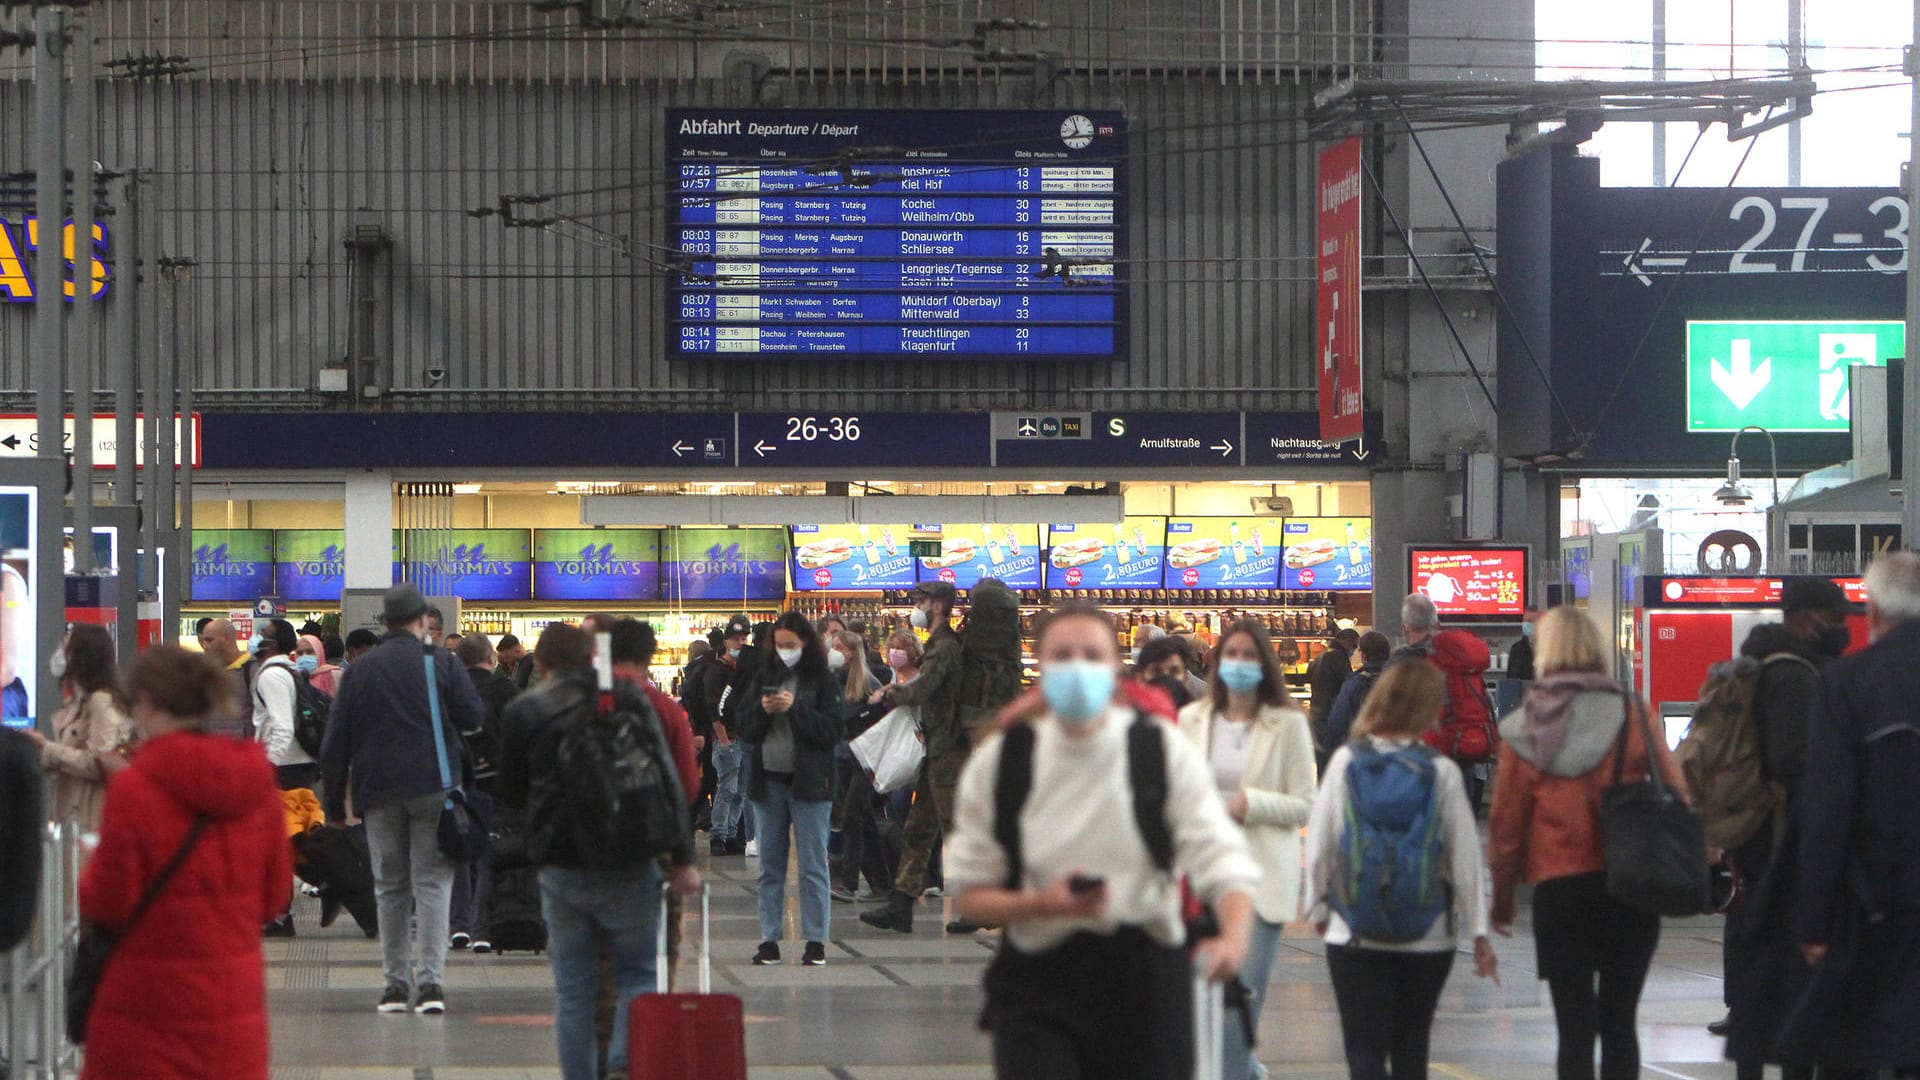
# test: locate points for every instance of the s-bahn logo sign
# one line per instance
(20, 239)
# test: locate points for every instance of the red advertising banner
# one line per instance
(1337, 297)
(1472, 582)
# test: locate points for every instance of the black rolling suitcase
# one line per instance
(332, 862)
(514, 922)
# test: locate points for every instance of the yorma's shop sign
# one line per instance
(19, 240)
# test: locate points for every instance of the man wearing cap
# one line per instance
(936, 693)
(720, 684)
(380, 740)
(1793, 653)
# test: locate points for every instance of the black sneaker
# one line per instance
(963, 926)
(395, 999)
(460, 941)
(815, 955)
(719, 848)
(431, 1002)
(482, 946)
(281, 927)
(768, 956)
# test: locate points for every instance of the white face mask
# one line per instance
(789, 657)
(837, 660)
(57, 663)
(919, 618)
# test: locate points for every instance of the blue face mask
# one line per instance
(308, 663)
(1241, 676)
(1526, 629)
(1077, 690)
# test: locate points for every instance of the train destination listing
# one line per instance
(1008, 246)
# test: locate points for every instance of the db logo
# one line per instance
(1668, 633)
(1306, 579)
(1073, 577)
(1191, 576)
(947, 575)
(823, 577)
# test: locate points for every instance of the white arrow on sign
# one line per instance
(1224, 446)
(1360, 451)
(680, 448)
(761, 447)
(1743, 382)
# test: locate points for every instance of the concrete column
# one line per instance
(369, 530)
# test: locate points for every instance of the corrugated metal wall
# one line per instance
(260, 171)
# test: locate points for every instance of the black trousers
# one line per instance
(1096, 1007)
(1593, 952)
(1387, 1001)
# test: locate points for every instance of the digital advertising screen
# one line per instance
(106, 550)
(310, 565)
(19, 658)
(853, 557)
(596, 564)
(724, 564)
(1577, 558)
(1223, 553)
(1130, 555)
(1488, 583)
(231, 565)
(1333, 554)
(969, 553)
(472, 564)
(947, 235)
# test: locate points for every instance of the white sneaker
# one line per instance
(753, 849)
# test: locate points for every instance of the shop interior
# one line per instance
(1189, 558)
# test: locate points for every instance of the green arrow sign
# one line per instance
(1782, 376)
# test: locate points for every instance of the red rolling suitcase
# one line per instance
(699, 1036)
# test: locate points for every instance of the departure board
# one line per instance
(913, 234)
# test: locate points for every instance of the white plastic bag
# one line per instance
(891, 751)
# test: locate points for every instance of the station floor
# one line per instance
(901, 1007)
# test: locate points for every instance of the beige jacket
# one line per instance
(1280, 786)
(82, 731)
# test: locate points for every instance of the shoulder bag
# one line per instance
(463, 814)
(90, 956)
(1656, 846)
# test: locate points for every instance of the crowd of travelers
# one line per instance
(1136, 828)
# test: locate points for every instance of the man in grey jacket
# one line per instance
(381, 742)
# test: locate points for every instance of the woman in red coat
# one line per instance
(184, 995)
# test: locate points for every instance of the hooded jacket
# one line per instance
(1784, 700)
(1554, 766)
(185, 993)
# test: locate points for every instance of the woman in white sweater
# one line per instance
(1382, 793)
(1094, 980)
(1259, 750)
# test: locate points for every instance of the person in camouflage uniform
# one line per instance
(947, 720)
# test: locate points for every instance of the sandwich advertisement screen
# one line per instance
(1130, 555)
(1475, 583)
(1332, 554)
(968, 553)
(1223, 553)
(724, 564)
(19, 657)
(232, 565)
(596, 564)
(312, 565)
(853, 557)
(472, 564)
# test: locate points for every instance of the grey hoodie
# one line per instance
(1592, 727)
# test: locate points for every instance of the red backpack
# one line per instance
(1467, 732)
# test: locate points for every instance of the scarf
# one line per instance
(1550, 701)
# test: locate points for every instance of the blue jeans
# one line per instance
(1262, 946)
(582, 909)
(809, 821)
(727, 800)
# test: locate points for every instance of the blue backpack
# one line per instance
(1388, 885)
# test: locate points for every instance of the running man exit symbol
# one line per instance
(1837, 353)
(1743, 382)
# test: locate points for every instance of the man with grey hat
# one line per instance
(381, 748)
(936, 693)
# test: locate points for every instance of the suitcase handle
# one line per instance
(662, 974)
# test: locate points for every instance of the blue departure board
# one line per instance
(900, 233)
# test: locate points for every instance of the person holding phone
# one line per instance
(790, 723)
(1095, 976)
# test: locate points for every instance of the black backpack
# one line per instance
(623, 798)
(1146, 771)
(311, 706)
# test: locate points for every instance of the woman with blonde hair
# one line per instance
(1559, 753)
(1386, 788)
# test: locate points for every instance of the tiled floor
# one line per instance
(892, 1007)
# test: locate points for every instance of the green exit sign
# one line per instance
(1782, 376)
